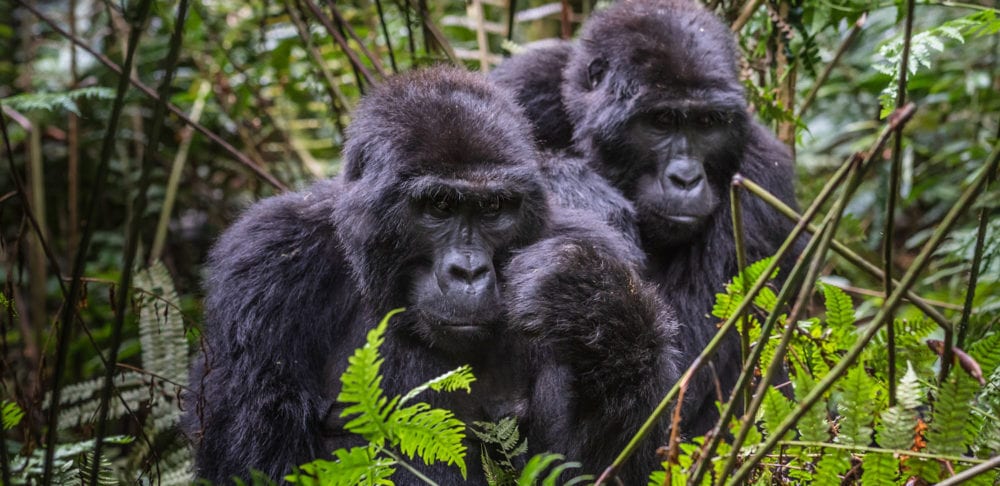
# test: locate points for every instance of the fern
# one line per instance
(12, 415)
(504, 436)
(435, 435)
(922, 46)
(358, 465)
(856, 407)
(57, 101)
(839, 315)
(775, 408)
(948, 433)
(726, 303)
(539, 464)
(813, 426)
(833, 463)
(880, 469)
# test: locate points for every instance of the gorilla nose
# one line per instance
(470, 272)
(684, 174)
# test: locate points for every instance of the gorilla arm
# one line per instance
(270, 328)
(607, 330)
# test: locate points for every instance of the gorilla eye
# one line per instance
(439, 207)
(491, 207)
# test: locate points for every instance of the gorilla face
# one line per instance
(440, 189)
(456, 291)
(682, 157)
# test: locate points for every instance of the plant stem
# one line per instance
(741, 265)
(408, 467)
(972, 472)
(896, 452)
(921, 261)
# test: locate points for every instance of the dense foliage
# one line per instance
(113, 191)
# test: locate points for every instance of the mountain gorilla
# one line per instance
(440, 208)
(653, 93)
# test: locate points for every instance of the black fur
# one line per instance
(665, 64)
(578, 347)
(535, 76)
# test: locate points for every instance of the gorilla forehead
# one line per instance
(441, 121)
(673, 43)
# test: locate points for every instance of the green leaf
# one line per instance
(947, 433)
(359, 465)
(834, 463)
(813, 426)
(774, 409)
(12, 414)
(57, 101)
(856, 407)
(536, 466)
(880, 469)
(431, 433)
(362, 388)
(460, 378)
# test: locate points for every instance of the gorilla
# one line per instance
(440, 208)
(653, 95)
(536, 77)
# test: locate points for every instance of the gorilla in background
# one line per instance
(440, 208)
(653, 93)
(536, 77)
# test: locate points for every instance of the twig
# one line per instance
(146, 90)
(889, 230)
(848, 254)
(741, 264)
(895, 452)
(745, 14)
(919, 263)
(821, 80)
(972, 472)
(386, 36)
(354, 35)
(79, 261)
(339, 39)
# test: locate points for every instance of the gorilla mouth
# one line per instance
(681, 219)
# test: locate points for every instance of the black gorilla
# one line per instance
(440, 208)
(536, 77)
(652, 91)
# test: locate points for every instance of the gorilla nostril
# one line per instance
(685, 181)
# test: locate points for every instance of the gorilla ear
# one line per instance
(595, 71)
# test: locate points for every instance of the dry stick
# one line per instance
(888, 232)
(386, 36)
(132, 236)
(897, 452)
(69, 306)
(821, 80)
(965, 200)
(332, 30)
(511, 13)
(741, 265)
(330, 84)
(800, 223)
(960, 478)
(226, 146)
(434, 31)
(745, 14)
(900, 116)
(822, 240)
(848, 254)
(354, 35)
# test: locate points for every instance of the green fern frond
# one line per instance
(57, 101)
(948, 433)
(880, 469)
(12, 415)
(460, 378)
(537, 466)
(362, 388)
(986, 352)
(856, 407)
(924, 44)
(833, 463)
(727, 302)
(813, 426)
(895, 428)
(431, 433)
(357, 466)
(774, 409)
(927, 469)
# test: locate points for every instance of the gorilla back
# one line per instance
(440, 191)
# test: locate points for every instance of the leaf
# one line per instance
(774, 409)
(536, 466)
(359, 465)
(362, 388)
(460, 378)
(895, 429)
(910, 393)
(431, 433)
(813, 426)
(879, 469)
(12, 415)
(834, 463)
(57, 101)
(948, 433)
(856, 407)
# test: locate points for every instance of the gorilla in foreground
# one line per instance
(440, 208)
(653, 94)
